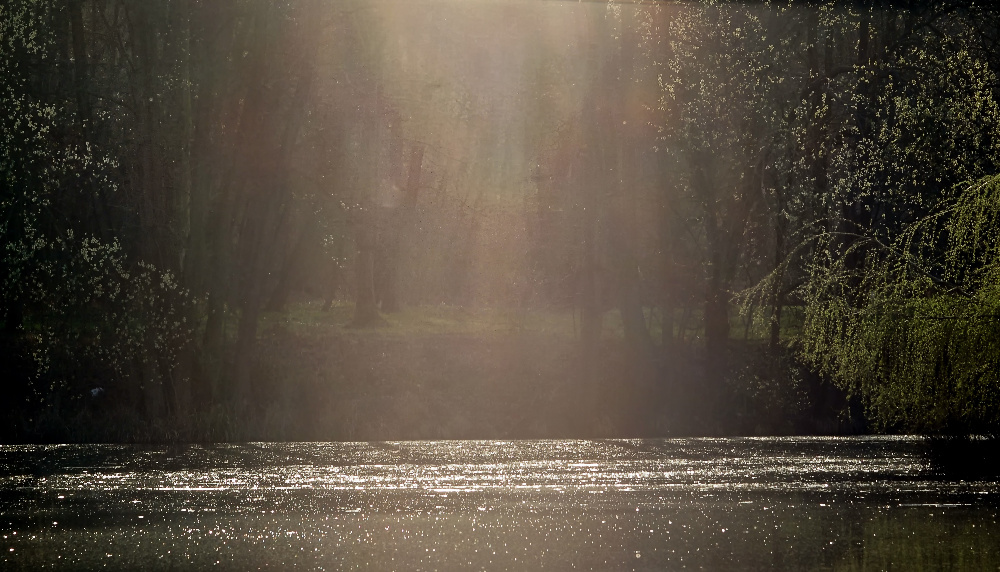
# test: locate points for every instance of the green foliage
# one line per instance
(88, 314)
(914, 328)
(91, 312)
(935, 123)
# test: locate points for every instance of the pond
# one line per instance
(747, 503)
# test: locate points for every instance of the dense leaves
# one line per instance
(913, 330)
(90, 316)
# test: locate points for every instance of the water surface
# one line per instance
(803, 503)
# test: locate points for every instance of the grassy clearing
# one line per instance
(563, 323)
(447, 372)
(437, 320)
(438, 371)
(444, 372)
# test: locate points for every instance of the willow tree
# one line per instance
(914, 330)
(903, 315)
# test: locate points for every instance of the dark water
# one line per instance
(797, 503)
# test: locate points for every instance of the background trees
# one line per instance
(147, 178)
(726, 180)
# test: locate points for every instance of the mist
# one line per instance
(486, 219)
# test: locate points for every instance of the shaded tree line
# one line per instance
(812, 186)
(149, 192)
(787, 149)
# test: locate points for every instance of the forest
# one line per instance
(231, 220)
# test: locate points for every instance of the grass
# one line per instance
(437, 320)
(446, 372)
(564, 323)
(440, 371)
(434, 372)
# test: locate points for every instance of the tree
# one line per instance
(83, 307)
(721, 84)
(913, 330)
(899, 303)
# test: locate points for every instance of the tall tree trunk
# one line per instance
(587, 172)
(628, 279)
(278, 301)
(716, 312)
(386, 263)
(668, 295)
(244, 353)
(264, 229)
(181, 53)
(84, 112)
(397, 226)
(206, 267)
(776, 299)
(151, 188)
(716, 320)
(79, 62)
(591, 314)
(365, 309)
(225, 220)
(629, 295)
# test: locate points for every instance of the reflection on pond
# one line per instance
(844, 503)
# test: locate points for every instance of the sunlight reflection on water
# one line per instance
(617, 504)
